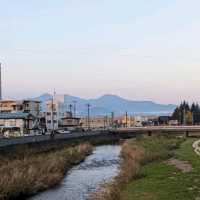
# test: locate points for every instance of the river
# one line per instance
(83, 180)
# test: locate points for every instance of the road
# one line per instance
(121, 133)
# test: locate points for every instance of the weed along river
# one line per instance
(83, 180)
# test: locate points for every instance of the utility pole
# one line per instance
(88, 115)
(74, 102)
(104, 123)
(126, 120)
(52, 114)
(112, 119)
(70, 108)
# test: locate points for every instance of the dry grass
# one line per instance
(29, 174)
(135, 154)
(130, 167)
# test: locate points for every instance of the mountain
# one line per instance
(106, 104)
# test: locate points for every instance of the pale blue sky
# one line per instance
(142, 50)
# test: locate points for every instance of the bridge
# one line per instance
(114, 134)
(187, 130)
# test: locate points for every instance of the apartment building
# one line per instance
(52, 115)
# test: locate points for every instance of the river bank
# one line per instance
(26, 170)
(137, 154)
(156, 169)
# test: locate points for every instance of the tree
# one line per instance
(186, 114)
(189, 118)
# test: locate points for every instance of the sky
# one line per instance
(140, 50)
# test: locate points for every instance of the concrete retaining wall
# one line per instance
(42, 138)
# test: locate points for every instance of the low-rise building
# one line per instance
(164, 120)
(96, 122)
(32, 107)
(26, 123)
(173, 123)
(7, 106)
(128, 121)
(70, 123)
(21, 115)
(26, 106)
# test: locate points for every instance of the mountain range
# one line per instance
(106, 104)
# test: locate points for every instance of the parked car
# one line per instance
(63, 132)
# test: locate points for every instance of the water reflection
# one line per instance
(85, 178)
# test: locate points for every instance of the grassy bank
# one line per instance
(137, 154)
(27, 170)
(160, 181)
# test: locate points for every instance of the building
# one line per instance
(173, 122)
(164, 120)
(52, 115)
(57, 117)
(26, 106)
(25, 123)
(128, 121)
(70, 123)
(96, 122)
(31, 107)
(7, 106)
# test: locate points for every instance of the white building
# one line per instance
(52, 115)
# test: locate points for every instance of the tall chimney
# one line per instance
(0, 84)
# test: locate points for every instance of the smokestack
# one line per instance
(0, 84)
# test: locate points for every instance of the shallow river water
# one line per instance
(81, 181)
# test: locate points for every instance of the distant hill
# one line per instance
(106, 104)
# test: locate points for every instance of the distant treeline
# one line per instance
(187, 114)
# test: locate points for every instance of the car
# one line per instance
(63, 132)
